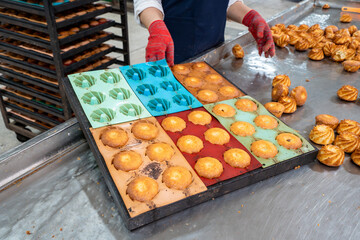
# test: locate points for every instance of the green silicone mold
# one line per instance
(120, 93)
(110, 77)
(103, 115)
(84, 81)
(260, 133)
(93, 98)
(130, 109)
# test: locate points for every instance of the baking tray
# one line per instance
(24, 23)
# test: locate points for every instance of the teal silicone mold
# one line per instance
(106, 98)
(260, 133)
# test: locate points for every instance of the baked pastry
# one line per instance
(345, 18)
(181, 69)
(229, 91)
(127, 161)
(355, 156)
(160, 152)
(289, 141)
(207, 96)
(208, 167)
(354, 44)
(289, 104)
(332, 27)
(329, 49)
(303, 27)
(144, 130)
(348, 125)
(217, 136)
(302, 45)
(292, 27)
(281, 40)
(199, 117)
(350, 54)
(190, 144)
(357, 57)
(314, 27)
(275, 30)
(331, 156)
(264, 149)
(224, 110)
(283, 79)
(193, 82)
(328, 120)
(280, 26)
(201, 66)
(242, 129)
(356, 34)
(178, 178)
(348, 93)
(142, 189)
(214, 78)
(237, 158)
(347, 141)
(352, 29)
(322, 134)
(173, 124)
(339, 55)
(278, 91)
(351, 66)
(326, 6)
(266, 122)
(114, 137)
(275, 108)
(294, 39)
(316, 54)
(238, 51)
(246, 105)
(329, 33)
(341, 39)
(299, 94)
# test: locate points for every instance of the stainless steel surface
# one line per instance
(68, 199)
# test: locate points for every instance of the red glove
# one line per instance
(160, 44)
(261, 32)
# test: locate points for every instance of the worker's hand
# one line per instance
(160, 43)
(261, 32)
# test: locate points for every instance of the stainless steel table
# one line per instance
(66, 197)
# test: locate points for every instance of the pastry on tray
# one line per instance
(348, 93)
(354, 44)
(299, 94)
(275, 108)
(242, 129)
(208, 96)
(266, 122)
(289, 141)
(316, 54)
(352, 29)
(264, 149)
(302, 45)
(351, 65)
(193, 82)
(328, 120)
(289, 104)
(278, 91)
(199, 117)
(331, 156)
(341, 39)
(348, 125)
(173, 124)
(347, 141)
(355, 156)
(339, 55)
(181, 69)
(160, 152)
(176, 177)
(214, 78)
(294, 39)
(190, 144)
(283, 79)
(224, 110)
(127, 161)
(229, 91)
(208, 167)
(246, 105)
(281, 40)
(303, 27)
(345, 18)
(217, 136)
(322, 134)
(201, 66)
(144, 130)
(142, 189)
(329, 49)
(326, 6)
(114, 137)
(237, 158)
(238, 51)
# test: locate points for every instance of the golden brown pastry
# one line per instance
(238, 51)
(281, 40)
(302, 45)
(329, 49)
(127, 161)
(177, 177)
(275, 30)
(281, 26)
(352, 29)
(142, 189)
(266, 122)
(322, 134)
(331, 156)
(350, 54)
(242, 129)
(314, 27)
(316, 54)
(351, 66)
(339, 55)
(354, 44)
(237, 158)
(356, 34)
(193, 82)
(341, 39)
(278, 91)
(207, 96)
(347, 141)
(345, 18)
(199, 118)
(181, 69)
(208, 167)
(246, 105)
(173, 124)
(217, 136)
(114, 137)
(355, 157)
(214, 78)
(144, 130)
(348, 93)
(294, 39)
(264, 149)
(333, 28)
(344, 32)
(190, 144)
(289, 104)
(275, 108)
(329, 33)
(283, 79)
(201, 66)
(160, 152)
(229, 91)
(224, 110)
(289, 141)
(292, 27)
(348, 125)
(326, 6)
(299, 94)
(303, 27)
(328, 120)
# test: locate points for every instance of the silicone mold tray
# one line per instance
(190, 70)
(210, 150)
(157, 88)
(260, 133)
(148, 168)
(106, 98)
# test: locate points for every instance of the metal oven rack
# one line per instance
(33, 94)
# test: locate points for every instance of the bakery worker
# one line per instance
(192, 26)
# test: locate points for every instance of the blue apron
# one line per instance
(195, 25)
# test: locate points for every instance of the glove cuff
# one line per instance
(249, 17)
(156, 26)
